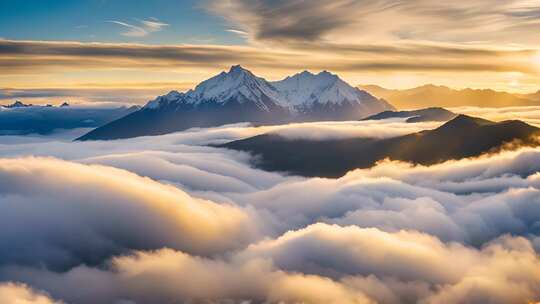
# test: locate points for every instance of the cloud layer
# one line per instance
(168, 219)
(332, 265)
(40, 71)
(40, 54)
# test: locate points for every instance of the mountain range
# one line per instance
(20, 104)
(442, 96)
(461, 137)
(19, 118)
(240, 96)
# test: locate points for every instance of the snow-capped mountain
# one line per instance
(304, 89)
(326, 96)
(240, 96)
(298, 94)
(238, 85)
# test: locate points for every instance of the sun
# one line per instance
(536, 59)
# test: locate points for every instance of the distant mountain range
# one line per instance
(441, 96)
(533, 96)
(21, 119)
(20, 104)
(463, 136)
(240, 96)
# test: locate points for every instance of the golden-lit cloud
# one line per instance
(22, 294)
(19, 55)
(148, 214)
(505, 268)
(169, 219)
(30, 64)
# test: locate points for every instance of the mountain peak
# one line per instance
(431, 86)
(237, 69)
(238, 72)
(325, 73)
(306, 89)
(238, 85)
(17, 104)
(464, 121)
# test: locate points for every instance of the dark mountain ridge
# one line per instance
(420, 115)
(462, 137)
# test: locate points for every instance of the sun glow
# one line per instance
(536, 59)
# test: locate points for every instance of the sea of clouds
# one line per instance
(168, 219)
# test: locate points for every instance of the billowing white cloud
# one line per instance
(169, 219)
(318, 264)
(60, 214)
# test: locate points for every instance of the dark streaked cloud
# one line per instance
(298, 20)
(30, 56)
(362, 20)
(198, 54)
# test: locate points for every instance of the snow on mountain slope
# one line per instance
(239, 96)
(306, 88)
(298, 95)
(164, 100)
(239, 85)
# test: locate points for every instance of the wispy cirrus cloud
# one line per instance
(144, 28)
(153, 24)
(238, 32)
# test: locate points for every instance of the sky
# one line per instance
(119, 50)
